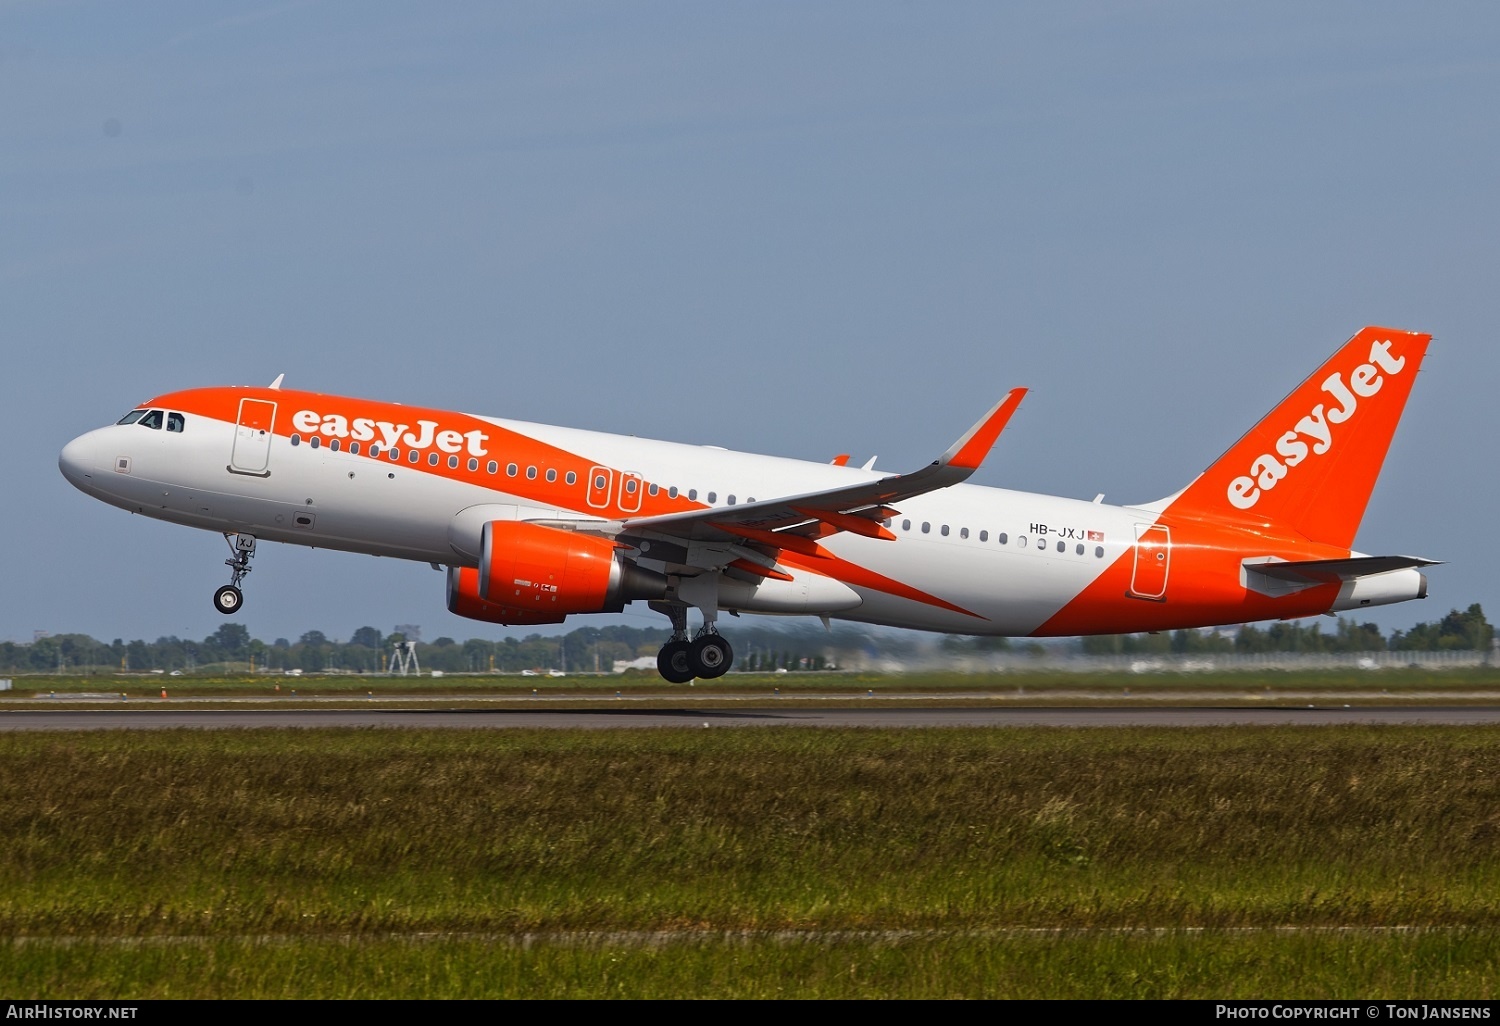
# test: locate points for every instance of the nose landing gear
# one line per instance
(229, 598)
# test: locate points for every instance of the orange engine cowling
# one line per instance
(543, 571)
(465, 600)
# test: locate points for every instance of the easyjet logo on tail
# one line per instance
(1313, 434)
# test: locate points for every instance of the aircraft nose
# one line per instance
(76, 461)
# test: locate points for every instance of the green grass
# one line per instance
(1206, 862)
(1224, 965)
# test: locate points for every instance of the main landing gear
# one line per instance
(707, 656)
(229, 598)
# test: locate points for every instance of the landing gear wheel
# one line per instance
(710, 656)
(673, 663)
(228, 599)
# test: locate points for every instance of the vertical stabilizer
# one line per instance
(1311, 463)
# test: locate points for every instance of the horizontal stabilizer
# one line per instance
(1329, 571)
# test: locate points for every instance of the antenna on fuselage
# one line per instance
(276, 385)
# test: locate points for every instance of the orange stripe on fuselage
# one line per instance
(427, 431)
(857, 576)
(1203, 586)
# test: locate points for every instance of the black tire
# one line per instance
(710, 656)
(673, 663)
(228, 600)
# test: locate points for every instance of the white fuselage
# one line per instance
(1011, 559)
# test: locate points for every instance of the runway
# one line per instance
(769, 715)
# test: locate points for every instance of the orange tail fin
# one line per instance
(1311, 463)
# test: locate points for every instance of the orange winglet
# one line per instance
(850, 522)
(781, 540)
(760, 571)
(969, 452)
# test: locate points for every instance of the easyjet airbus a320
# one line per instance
(534, 522)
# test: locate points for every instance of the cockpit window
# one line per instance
(131, 417)
(152, 419)
(175, 422)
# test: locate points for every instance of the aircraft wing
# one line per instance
(721, 536)
(714, 537)
(858, 508)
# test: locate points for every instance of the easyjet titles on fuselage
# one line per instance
(366, 429)
(1266, 470)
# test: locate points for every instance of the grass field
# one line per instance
(1310, 862)
(1040, 685)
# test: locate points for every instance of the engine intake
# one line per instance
(465, 600)
(542, 571)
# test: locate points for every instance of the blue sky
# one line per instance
(791, 228)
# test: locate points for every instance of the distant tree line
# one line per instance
(368, 650)
(762, 648)
(1458, 631)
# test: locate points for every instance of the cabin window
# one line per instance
(944, 531)
(334, 445)
(551, 476)
(731, 500)
(473, 464)
(1062, 546)
(432, 459)
(1002, 538)
(353, 448)
(510, 470)
(693, 494)
(491, 467)
(1020, 541)
(531, 473)
(296, 439)
(906, 525)
(374, 450)
(452, 462)
(926, 527)
(1099, 552)
(672, 492)
(984, 536)
(572, 478)
(314, 441)
(413, 456)
(713, 497)
(395, 455)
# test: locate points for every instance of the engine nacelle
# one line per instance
(543, 571)
(465, 600)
